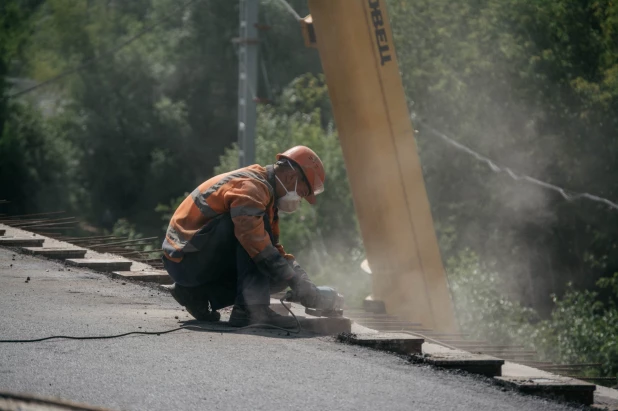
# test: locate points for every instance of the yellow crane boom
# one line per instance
(355, 44)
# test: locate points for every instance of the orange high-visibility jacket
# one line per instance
(247, 195)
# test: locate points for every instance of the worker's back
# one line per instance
(243, 193)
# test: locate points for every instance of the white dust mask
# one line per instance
(290, 201)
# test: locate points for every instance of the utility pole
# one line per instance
(247, 80)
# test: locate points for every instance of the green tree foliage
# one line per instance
(582, 328)
(531, 85)
(152, 118)
(14, 31)
(125, 126)
(482, 306)
(35, 163)
(33, 166)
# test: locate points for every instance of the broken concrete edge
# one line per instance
(398, 344)
(60, 404)
(21, 242)
(402, 343)
(55, 253)
(479, 364)
(557, 383)
(471, 363)
(100, 265)
(559, 388)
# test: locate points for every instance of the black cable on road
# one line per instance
(101, 337)
(184, 327)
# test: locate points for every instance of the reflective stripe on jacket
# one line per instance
(247, 195)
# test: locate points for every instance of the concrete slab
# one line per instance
(21, 242)
(465, 361)
(395, 342)
(60, 253)
(160, 277)
(605, 398)
(326, 325)
(100, 265)
(567, 389)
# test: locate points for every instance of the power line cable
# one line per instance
(106, 54)
(566, 194)
(266, 78)
(290, 9)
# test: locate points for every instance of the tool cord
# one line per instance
(184, 327)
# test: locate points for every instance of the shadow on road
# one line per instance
(223, 327)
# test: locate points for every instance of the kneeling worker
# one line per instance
(222, 244)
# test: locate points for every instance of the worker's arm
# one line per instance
(247, 203)
(300, 283)
(282, 251)
(301, 273)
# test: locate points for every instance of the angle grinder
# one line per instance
(328, 302)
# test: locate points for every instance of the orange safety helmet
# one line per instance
(311, 166)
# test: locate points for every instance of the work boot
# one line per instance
(203, 312)
(199, 308)
(180, 293)
(244, 315)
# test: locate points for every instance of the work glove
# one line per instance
(304, 290)
(300, 272)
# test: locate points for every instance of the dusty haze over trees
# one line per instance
(530, 84)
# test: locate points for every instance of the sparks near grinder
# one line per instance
(328, 302)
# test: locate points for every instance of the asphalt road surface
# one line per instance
(197, 370)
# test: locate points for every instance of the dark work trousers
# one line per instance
(222, 271)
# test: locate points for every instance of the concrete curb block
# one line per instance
(464, 361)
(58, 253)
(394, 342)
(22, 242)
(159, 277)
(100, 265)
(564, 388)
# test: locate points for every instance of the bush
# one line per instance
(36, 163)
(582, 327)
